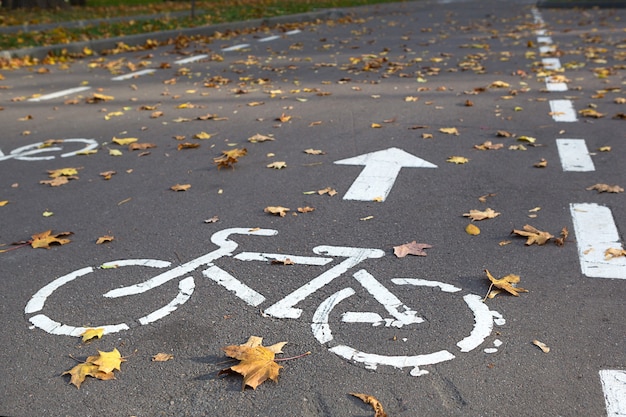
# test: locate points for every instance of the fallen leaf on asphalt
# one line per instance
(483, 198)
(98, 98)
(4, 203)
(285, 261)
(259, 138)
(541, 164)
(104, 239)
(472, 229)
(504, 134)
(256, 361)
(213, 219)
(55, 182)
(482, 215)
(284, 118)
(45, 239)
(528, 139)
(203, 135)
(115, 152)
(162, 357)
(457, 160)
(605, 188)
(376, 405)
(180, 187)
(306, 209)
(124, 141)
(187, 145)
(376, 125)
(533, 235)
(499, 84)
(277, 165)
(229, 158)
(412, 248)
(560, 241)
(276, 210)
(107, 174)
(100, 366)
(507, 283)
(591, 113)
(140, 146)
(487, 145)
(614, 253)
(63, 172)
(449, 131)
(314, 152)
(604, 149)
(92, 333)
(544, 348)
(330, 191)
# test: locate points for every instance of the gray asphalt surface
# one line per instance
(385, 77)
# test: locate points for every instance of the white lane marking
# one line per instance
(236, 47)
(537, 16)
(26, 152)
(269, 38)
(133, 74)
(614, 387)
(233, 285)
(547, 49)
(61, 93)
(545, 40)
(380, 172)
(551, 63)
(595, 233)
(298, 260)
(574, 155)
(293, 32)
(190, 59)
(185, 287)
(563, 111)
(556, 86)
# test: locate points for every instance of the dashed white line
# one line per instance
(61, 93)
(614, 387)
(563, 111)
(190, 59)
(545, 40)
(551, 63)
(236, 47)
(574, 155)
(595, 233)
(269, 38)
(133, 74)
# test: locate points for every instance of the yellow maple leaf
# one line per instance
(92, 333)
(107, 361)
(63, 172)
(45, 239)
(124, 141)
(507, 283)
(256, 361)
(104, 239)
(79, 372)
(533, 235)
(457, 159)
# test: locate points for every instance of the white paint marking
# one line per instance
(61, 93)
(24, 153)
(545, 40)
(595, 233)
(380, 172)
(191, 59)
(285, 307)
(552, 87)
(320, 327)
(547, 49)
(551, 63)
(133, 75)
(45, 323)
(293, 32)
(298, 260)
(269, 38)
(236, 47)
(614, 387)
(540, 32)
(563, 111)
(574, 155)
(232, 284)
(186, 287)
(37, 301)
(425, 283)
(484, 323)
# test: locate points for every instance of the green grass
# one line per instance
(207, 12)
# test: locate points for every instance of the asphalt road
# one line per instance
(428, 79)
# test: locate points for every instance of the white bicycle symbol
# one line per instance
(28, 152)
(399, 315)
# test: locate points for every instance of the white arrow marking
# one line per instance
(380, 172)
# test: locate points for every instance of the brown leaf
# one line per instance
(45, 239)
(180, 187)
(482, 215)
(560, 241)
(311, 151)
(276, 210)
(544, 348)
(162, 357)
(330, 191)
(533, 235)
(507, 283)
(412, 248)
(104, 239)
(107, 174)
(602, 188)
(257, 361)
(187, 145)
(614, 253)
(487, 145)
(376, 405)
(277, 165)
(140, 146)
(57, 181)
(259, 138)
(229, 158)
(541, 164)
(306, 209)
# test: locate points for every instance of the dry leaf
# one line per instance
(104, 239)
(533, 235)
(276, 210)
(528, 139)
(229, 158)
(187, 145)
(541, 346)
(277, 165)
(213, 219)
(100, 366)
(162, 357)
(499, 84)
(124, 141)
(504, 134)
(412, 248)
(483, 198)
(457, 160)
(259, 138)
(487, 145)
(107, 174)
(541, 164)
(482, 215)
(472, 229)
(602, 188)
(180, 187)
(45, 239)
(560, 241)
(203, 135)
(591, 113)
(63, 172)
(614, 253)
(449, 130)
(507, 283)
(57, 181)
(257, 361)
(376, 405)
(140, 146)
(330, 191)
(376, 125)
(92, 333)
(306, 209)
(314, 152)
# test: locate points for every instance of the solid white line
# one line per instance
(563, 111)
(551, 63)
(190, 59)
(595, 233)
(236, 47)
(614, 387)
(574, 155)
(133, 75)
(59, 93)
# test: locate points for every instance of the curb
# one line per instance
(98, 45)
(563, 4)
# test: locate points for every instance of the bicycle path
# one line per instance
(428, 80)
